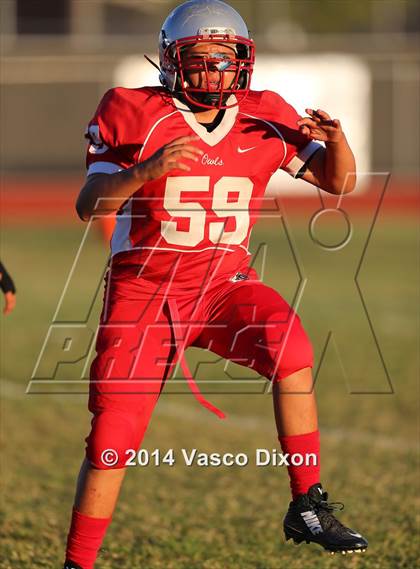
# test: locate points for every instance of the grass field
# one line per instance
(225, 518)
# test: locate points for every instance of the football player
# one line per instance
(9, 290)
(185, 166)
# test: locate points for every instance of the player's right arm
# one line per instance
(105, 193)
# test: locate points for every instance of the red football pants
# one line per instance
(142, 334)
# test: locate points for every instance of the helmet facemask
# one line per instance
(213, 94)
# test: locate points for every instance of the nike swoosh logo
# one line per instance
(242, 150)
(355, 534)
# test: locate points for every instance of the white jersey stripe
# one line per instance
(151, 131)
(185, 250)
(276, 130)
(121, 237)
(299, 160)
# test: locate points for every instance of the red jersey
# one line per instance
(186, 225)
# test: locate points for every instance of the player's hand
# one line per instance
(9, 302)
(9, 290)
(170, 157)
(319, 126)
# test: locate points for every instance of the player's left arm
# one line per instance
(332, 168)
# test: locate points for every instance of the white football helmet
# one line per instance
(207, 21)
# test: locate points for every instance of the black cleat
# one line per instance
(310, 519)
(71, 565)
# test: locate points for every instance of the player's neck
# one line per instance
(205, 117)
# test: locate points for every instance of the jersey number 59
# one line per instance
(196, 213)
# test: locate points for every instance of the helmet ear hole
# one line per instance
(242, 51)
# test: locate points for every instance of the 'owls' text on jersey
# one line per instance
(185, 224)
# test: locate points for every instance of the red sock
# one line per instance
(303, 476)
(85, 537)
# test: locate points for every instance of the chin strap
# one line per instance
(180, 348)
(152, 62)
